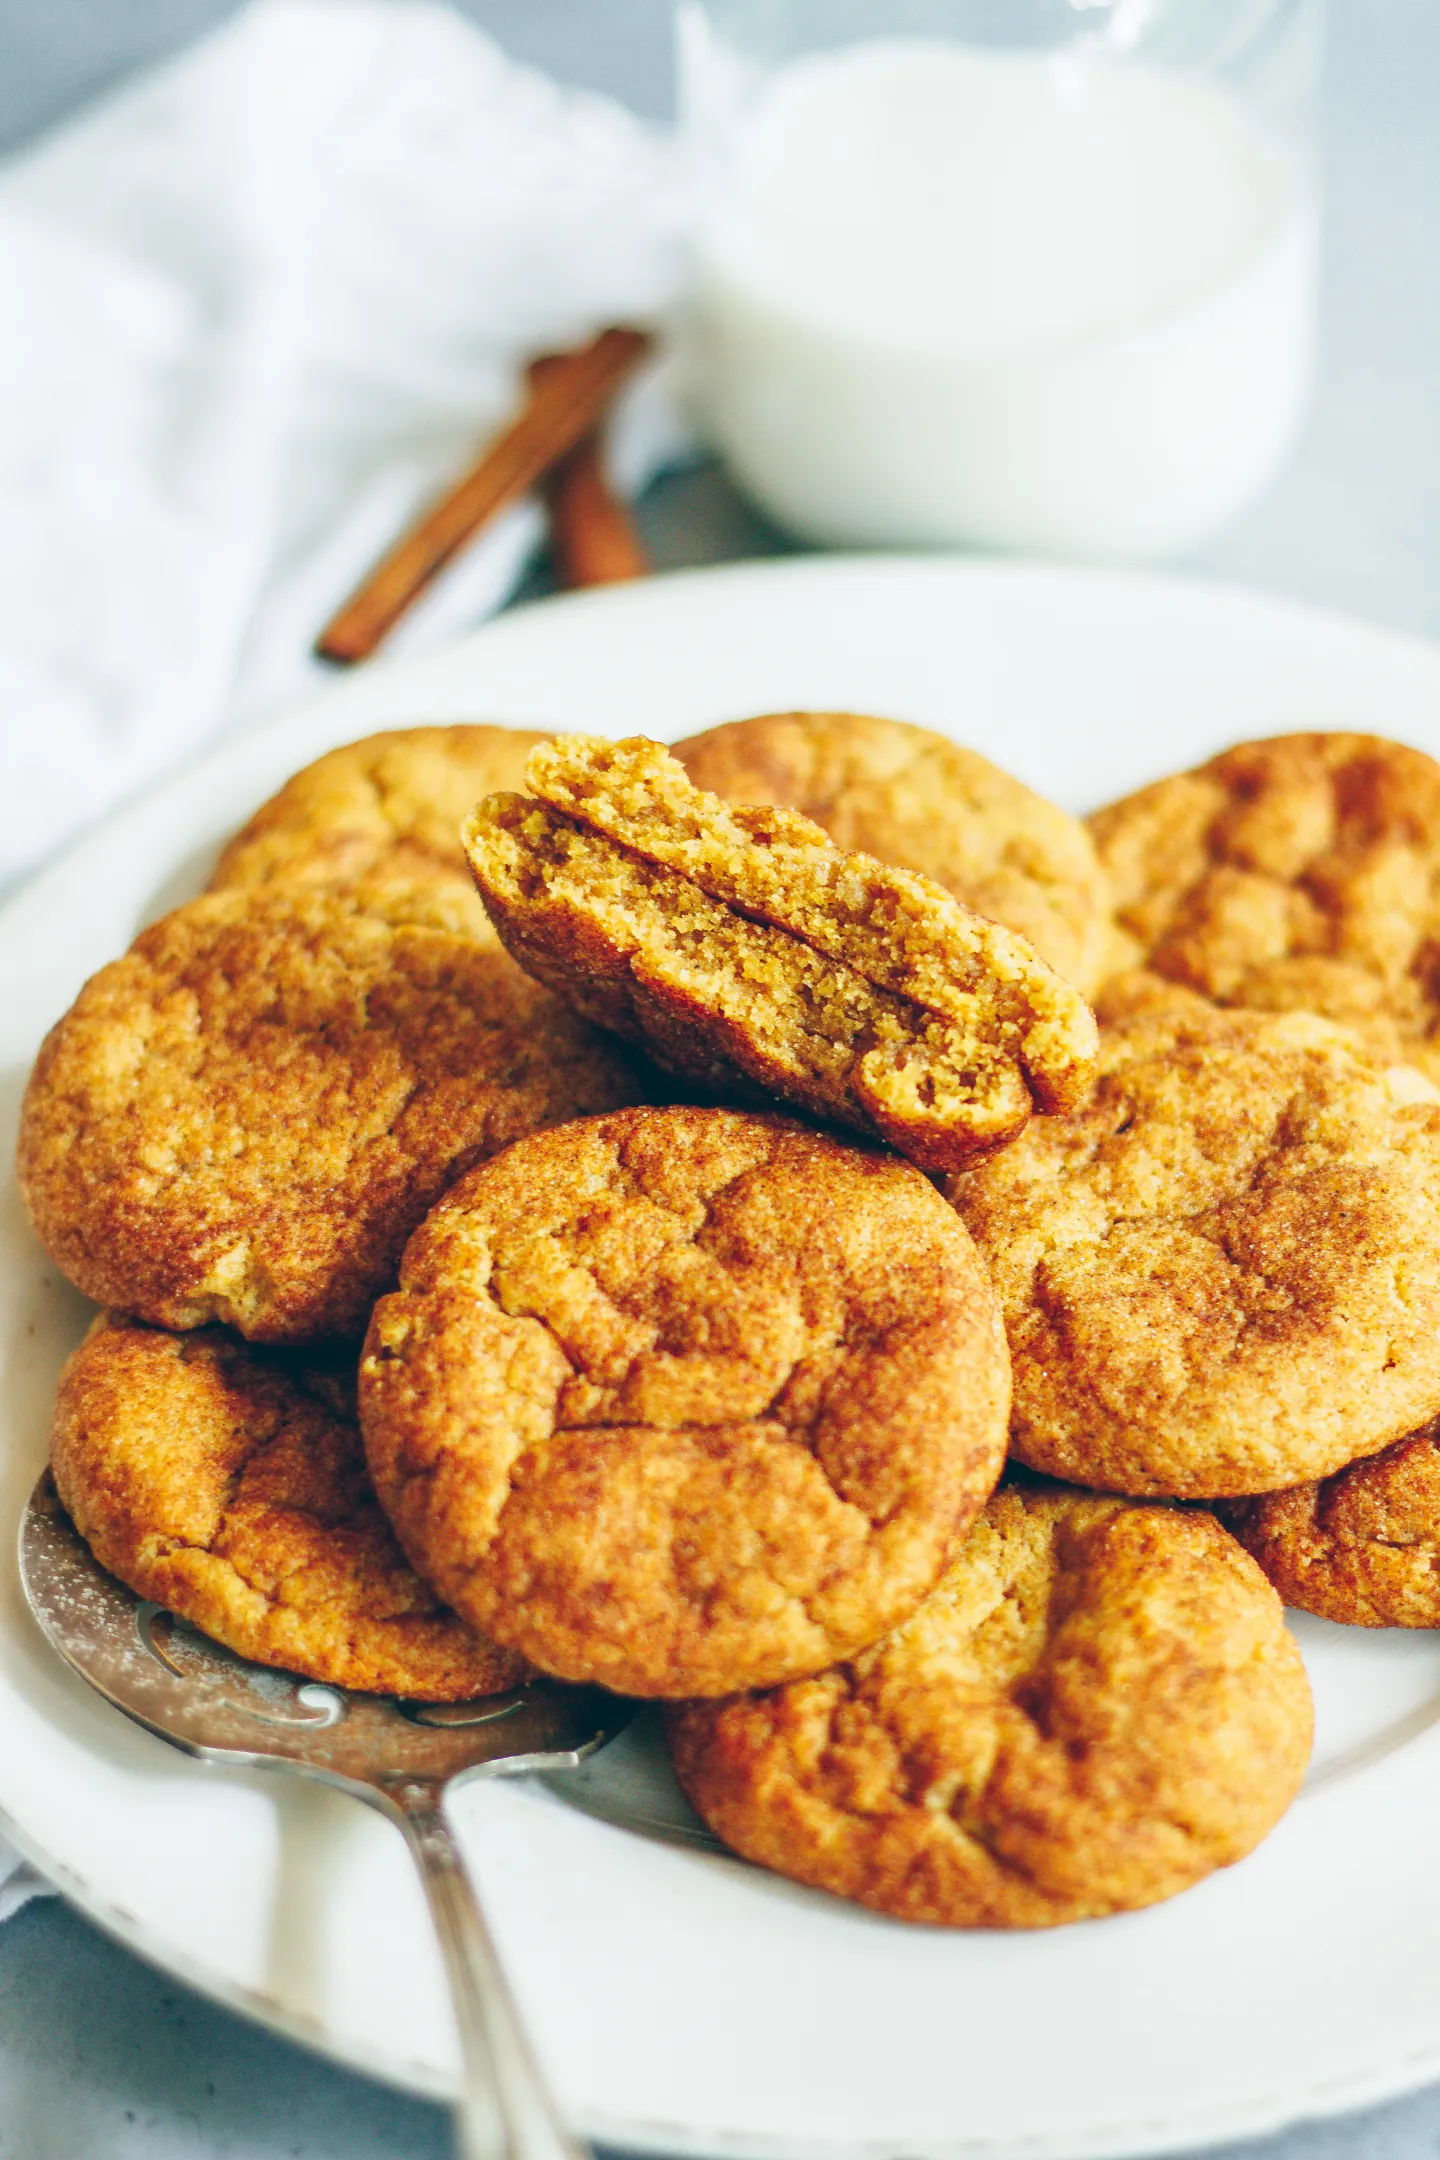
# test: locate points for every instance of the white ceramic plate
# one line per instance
(684, 2002)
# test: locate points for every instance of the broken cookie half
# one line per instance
(741, 947)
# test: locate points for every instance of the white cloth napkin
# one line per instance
(262, 303)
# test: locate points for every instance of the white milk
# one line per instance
(1022, 300)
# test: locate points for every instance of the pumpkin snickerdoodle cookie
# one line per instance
(685, 1400)
(245, 1117)
(1097, 1706)
(915, 799)
(1362, 1546)
(390, 805)
(1297, 873)
(740, 947)
(1222, 1276)
(229, 1485)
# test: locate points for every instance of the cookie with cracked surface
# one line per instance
(389, 805)
(229, 1485)
(1138, 994)
(685, 1400)
(1297, 873)
(739, 945)
(1222, 1276)
(1363, 1546)
(1098, 1705)
(915, 799)
(245, 1117)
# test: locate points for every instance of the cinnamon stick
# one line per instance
(593, 537)
(562, 408)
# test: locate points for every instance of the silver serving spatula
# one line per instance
(401, 1758)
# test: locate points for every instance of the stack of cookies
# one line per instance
(672, 1222)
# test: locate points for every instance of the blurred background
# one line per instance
(1354, 520)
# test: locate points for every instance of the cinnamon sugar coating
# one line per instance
(741, 948)
(245, 1117)
(1097, 1706)
(685, 1400)
(390, 805)
(1297, 873)
(1223, 1275)
(229, 1485)
(1363, 1546)
(915, 799)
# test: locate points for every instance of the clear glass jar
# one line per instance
(1024, 274)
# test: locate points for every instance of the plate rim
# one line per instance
(1136, 2140)
(1321, 2098)
(1402, 645)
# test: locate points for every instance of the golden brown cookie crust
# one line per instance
(685, 1400)
(246, 1117)
(915, 799)
(1098, 1705)
(1297, 873)
(737, 942)
(210, 1477)
(1363, 1546)
(390, 805)
(1222, 1276)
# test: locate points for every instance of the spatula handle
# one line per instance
(505, 2111)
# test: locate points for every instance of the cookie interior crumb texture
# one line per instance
(245, 1117)
(1297, 873)
(1098, 1705)
(686, 1400)
(915, 799)
(229, 1485)
(1223, 1275)
(730, 939)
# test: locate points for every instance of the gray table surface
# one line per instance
(102, 2058)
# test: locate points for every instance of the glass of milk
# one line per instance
(1020, 274)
